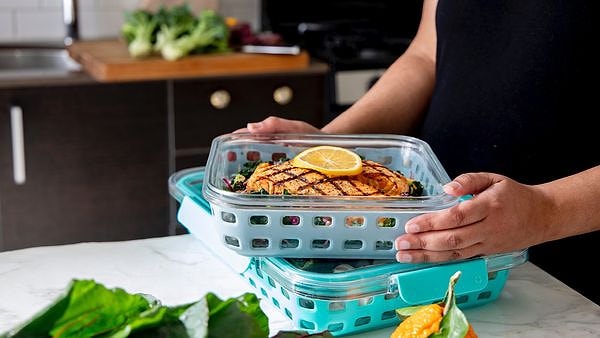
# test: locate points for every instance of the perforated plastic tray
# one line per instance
(366, 297)
(312, 226)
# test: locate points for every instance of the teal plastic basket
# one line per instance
(365, 298)
(356, 295)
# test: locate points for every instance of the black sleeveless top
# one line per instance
(516, 93)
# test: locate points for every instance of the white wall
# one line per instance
(42, 21)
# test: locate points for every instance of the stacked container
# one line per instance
(328, 262)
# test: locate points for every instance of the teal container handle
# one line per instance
(426, 286)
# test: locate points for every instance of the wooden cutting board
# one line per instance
(109, 61)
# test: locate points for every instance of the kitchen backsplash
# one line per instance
(42, 20)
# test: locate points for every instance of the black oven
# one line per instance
(357, 39)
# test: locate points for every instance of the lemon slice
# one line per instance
(329, 160)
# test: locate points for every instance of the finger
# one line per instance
(444, 240)
(472, 183)
(424, 256)
(462, 214)
(241, 130)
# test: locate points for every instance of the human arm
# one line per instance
(394, 104)
(503, 216)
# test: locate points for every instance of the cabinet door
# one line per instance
(96, 164)
(208, 108)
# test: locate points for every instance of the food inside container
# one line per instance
(314, 226)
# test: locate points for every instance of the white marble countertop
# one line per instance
(179, 269)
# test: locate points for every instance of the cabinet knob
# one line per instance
(283, 95)
(220, 99)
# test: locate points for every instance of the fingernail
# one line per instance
(452, 187)
(403, 258)
(254, 125)
(412, 228)
(403, 245)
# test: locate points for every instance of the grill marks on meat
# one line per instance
(284, 178)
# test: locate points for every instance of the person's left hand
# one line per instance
(502, 216)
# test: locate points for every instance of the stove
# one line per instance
(357, 39)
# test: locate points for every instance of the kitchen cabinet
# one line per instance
(97, 156)
(95, 163)
(206, 108)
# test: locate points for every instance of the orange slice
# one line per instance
(329, 160)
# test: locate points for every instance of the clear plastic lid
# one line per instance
(410, 156)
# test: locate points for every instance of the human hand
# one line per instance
(273, 124)
(502, 216)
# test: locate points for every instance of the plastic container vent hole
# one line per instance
(227, 217)
(271, 281)
(229, 240)
(276, 157)
(259, 273)
(253, 156)
(336, 306)
(323, 221)
(307, 325)
(260, 243)
(335, 327)
(251, 281)
(384, 245)
(353, 244)
(284, 293)
(388, 315)
(386, 222)
(485, 295)
(365, 301)
(362, 321)
(289, 243)
(354, 221)
(462, 299)
(320, 244)
(264, 292)
(259, 220)
(306, 303)
(290, 220)
(231, 156)
(492, 275)
(288, 313)
(275, 302)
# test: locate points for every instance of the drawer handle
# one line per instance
(18, 144)
(220, 99)
(283, 95)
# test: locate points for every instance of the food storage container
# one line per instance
(342, 295)
(316, 226)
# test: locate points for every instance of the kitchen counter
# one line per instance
(179, 269)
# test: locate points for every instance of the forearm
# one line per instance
(576, 204)
(394, 104)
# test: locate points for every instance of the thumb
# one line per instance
(472, 183)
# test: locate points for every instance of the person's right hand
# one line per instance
(273, 124)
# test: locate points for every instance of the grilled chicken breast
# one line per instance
(284, 178)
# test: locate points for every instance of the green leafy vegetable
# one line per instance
(454, 323)
(89, 309)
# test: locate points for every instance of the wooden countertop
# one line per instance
(109, 61)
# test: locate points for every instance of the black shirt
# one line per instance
(516, 94)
